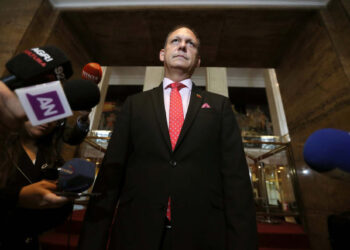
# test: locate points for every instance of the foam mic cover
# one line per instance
(93, 72)
(76, 175)
(37, 65)
(327, 149)
(81, 94)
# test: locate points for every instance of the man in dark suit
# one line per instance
(175, 166)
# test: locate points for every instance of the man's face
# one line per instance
(181, 52)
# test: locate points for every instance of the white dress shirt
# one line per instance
(184, 92)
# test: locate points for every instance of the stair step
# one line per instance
(74, 224)
(284, 236)
(278, 248)
(286, 241)
(58, 241)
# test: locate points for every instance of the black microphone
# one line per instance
(81, 94)
(37, 65)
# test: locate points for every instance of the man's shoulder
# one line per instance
(143, 94)
(213, 96)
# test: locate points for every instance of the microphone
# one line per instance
(327, 151)
(37, 65)
(79, 101)
(81, 94)
(93, 72)
(53, 101)
(76, 176)
(328, 148)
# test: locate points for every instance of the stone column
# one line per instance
(153, 77)
(96, 112)
(278, 116)
(216, 81)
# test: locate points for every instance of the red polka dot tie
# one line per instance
(176, 120)
(176, 114)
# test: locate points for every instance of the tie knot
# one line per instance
(176, 85)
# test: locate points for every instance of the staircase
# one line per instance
(66, 236)
(286, 236)
(283, 236)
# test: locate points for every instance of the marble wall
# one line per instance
(315, 89)
(16, 17)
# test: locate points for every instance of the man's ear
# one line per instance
(199, 62)
(161, 55)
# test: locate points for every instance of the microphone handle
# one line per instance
(9, 80)
(76, 195)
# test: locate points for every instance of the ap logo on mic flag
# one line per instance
(44, 102)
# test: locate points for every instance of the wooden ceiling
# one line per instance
(229, 37)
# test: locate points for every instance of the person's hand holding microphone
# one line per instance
(41, 195)
(12, 114)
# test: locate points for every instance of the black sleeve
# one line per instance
(101, 209)
(239, 205)
(8, 198)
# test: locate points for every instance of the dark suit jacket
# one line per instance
(206, 177)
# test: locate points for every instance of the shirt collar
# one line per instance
(187, 82)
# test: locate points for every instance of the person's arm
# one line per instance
(12, 114)
(238, 197)
(39, 195)
(100, 211)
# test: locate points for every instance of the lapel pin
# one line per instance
(198, 95)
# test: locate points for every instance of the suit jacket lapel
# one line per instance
(158, 105)
(193, 108)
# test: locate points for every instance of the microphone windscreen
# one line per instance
(39, 65)
(92, 72)
(327, 149)
(81, 94)
(76, 175)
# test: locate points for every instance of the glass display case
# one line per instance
(272, 173)
(271, 170)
